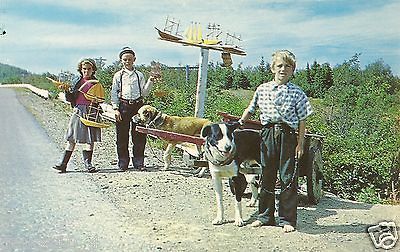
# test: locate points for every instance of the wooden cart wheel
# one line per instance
(314, 180)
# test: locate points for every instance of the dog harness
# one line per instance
(227, 161)
(156, 121)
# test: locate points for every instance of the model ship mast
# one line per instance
(212, 37)
(232, 39)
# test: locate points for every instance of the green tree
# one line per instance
(361, 135)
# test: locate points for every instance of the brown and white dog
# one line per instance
(153, 118)
(226, 148)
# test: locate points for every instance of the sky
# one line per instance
(52, 36)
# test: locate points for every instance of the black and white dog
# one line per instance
(226, 148)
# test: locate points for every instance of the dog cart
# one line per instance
(310, 165)
(190, 144)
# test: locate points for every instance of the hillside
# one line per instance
(9, 73)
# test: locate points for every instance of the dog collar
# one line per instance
(220, 163)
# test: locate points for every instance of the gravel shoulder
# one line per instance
(173, 209)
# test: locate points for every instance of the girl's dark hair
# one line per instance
(87, 61)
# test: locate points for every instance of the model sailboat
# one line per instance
(95, 95)
(170, 31)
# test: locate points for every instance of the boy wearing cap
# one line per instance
(127, 92)
(283, 110)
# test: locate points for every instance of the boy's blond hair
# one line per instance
(286, 56)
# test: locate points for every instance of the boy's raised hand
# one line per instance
(155, 72)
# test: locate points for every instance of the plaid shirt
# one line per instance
(280, 104)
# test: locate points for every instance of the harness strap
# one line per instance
(221, 163)
(153, 123)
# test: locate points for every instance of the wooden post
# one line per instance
(201, 83)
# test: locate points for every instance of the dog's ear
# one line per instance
(205, 131)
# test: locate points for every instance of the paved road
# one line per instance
(41, 210)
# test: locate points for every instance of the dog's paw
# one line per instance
(218, 221)
(239, 222)
(199, 172)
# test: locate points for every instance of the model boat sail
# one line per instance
(95, 94)
(194, 34)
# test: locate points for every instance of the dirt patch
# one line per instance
(174, 209)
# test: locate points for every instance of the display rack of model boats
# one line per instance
(193, 36)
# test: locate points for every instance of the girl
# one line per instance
(78, 132)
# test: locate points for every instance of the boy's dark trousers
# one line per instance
(138, 139)
(278, 147)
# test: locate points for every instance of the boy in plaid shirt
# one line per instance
(283, 110)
